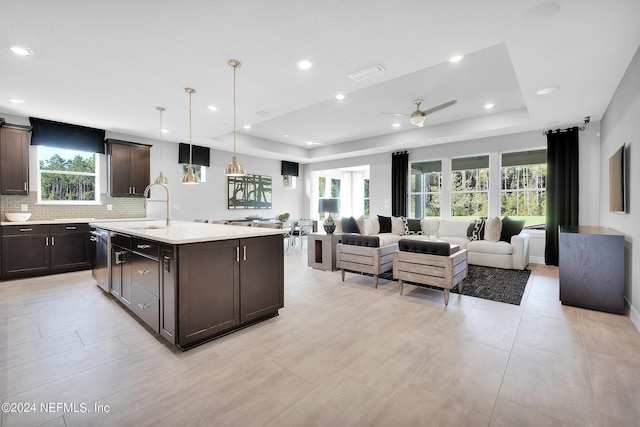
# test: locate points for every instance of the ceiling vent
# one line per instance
(367, 73)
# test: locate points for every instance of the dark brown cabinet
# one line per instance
(227, 284)
(129, 168)
(14, 160)
(30, 250)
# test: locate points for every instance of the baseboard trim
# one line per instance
(634, 315)
(536, 260)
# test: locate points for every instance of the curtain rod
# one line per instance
(547, 132)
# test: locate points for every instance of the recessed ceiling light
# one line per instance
(19, 50)
(247, 126)
(489, 105)
(396, 125)
(284, 135)
(212, 108)
(547, 90)
(16, 101)
(456, 58)
(310, 143)
(164, 130)
(339, 97)
(304, 64)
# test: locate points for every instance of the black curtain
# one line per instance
(562, 187)
(399, 182)
(66, 136)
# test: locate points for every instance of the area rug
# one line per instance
(490, 283)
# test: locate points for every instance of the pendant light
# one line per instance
(190, 177)
(234, 168)
(161, 179)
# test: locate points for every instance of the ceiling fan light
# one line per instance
(417, 118)
(234, 168)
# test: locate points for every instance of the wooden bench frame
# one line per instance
(434, 270)
(365, 259)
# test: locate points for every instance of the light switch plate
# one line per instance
(109, 207)
(24, 208)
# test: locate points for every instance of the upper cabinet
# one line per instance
(14, 160)
(129, 168)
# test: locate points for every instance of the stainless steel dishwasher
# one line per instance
(100, 257)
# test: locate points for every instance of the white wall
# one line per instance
(621, 125)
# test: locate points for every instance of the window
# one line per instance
(523, 186)
(67, 176)
(469, 187)
(367, 204)
(425, 194)
(198, 170)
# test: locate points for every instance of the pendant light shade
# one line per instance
(190, 177)
(161, 179)
(234, 168)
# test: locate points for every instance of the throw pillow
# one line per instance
(492, 229)
(412, 226)
(349, 225)
(475, 231)
(510, 228)
(397, 226)
(385, 224)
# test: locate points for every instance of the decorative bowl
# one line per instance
(18, 216)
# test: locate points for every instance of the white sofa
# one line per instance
(507, 255)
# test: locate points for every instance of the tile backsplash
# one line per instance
(122, 207)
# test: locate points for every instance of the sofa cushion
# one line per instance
(388, 239)
(397, 225)
(429, 225)
(492, 229)
(349, 225)
(475, 231)
(364, 225)
(411, 226)
(454, 240)
(510, 227)
(357, 240)
(423, 247)
(453, 228)
(487, 247)
(385, 224)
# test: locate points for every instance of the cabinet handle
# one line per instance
(167, 263)
(118, 259)
(22, 230)
(25, 186)
(143, 306)
(53, 241)
(133, 191)
(244, 253)
(93, 239)
(70, 228)
(46, 241)
(144, 246)
(237, 253)
(143, 272)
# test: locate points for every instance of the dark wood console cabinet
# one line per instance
(592, 268)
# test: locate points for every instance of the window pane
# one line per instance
(66, 160)
(523, 192)
(469, 205)
(425, 189)
(197, 170)
(67, 187)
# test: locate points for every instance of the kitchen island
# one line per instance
(192, 282)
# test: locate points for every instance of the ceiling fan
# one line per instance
(418, 116)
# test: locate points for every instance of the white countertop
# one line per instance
(181, 232)
(70, 221)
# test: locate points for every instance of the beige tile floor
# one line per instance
(339, 354)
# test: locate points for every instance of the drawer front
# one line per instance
(144, 273)
(121, 240)
(69, 228)
(20, 230)
(146, 247)
(146, 307)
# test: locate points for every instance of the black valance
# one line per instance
(201, 155)
(66, 136)
(289, 168)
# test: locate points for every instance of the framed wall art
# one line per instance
(249, 192)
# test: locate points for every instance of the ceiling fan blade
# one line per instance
(439, 107)
(396, 114)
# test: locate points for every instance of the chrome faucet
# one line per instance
(167, 200)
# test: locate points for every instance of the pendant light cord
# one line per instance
(190, 145)
(234, 110)
(161, 152)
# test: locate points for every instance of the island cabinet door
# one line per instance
(261, 277)
(208, 290)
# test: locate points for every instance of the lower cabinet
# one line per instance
(191, 293)
(39, 249)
